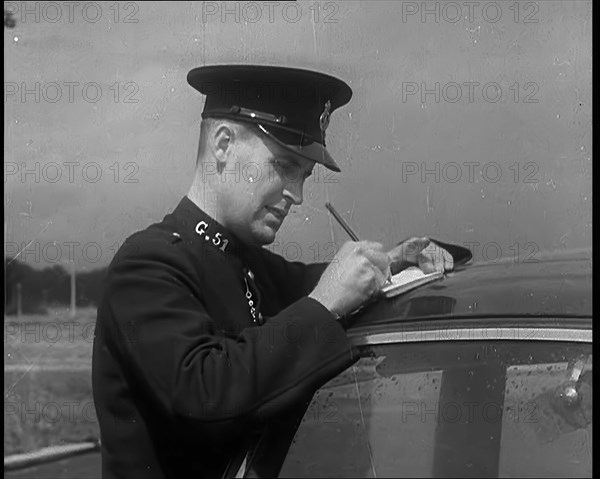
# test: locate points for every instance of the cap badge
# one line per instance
(324, 118)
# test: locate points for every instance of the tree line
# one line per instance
(48, 287)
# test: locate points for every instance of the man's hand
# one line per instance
(421, 252)
(355, 274)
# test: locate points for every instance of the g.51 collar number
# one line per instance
(217, 240)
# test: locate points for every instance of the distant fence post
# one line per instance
(73, 293)
(19, 308)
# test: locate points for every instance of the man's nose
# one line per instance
(293, 190)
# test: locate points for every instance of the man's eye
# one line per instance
(283, 164)
(290, 169)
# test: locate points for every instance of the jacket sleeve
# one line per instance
(209, 383)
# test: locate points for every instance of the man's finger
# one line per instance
(442, 260)
(448, 261)
(409, 249)
(372, 245)
(426, 264)
(380, 279)
(435, 259)
(416, 245)
(379, 259)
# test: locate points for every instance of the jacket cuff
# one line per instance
(341, 320)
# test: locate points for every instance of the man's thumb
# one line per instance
(416, 245)
(423, 242)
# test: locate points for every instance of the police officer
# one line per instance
(203, 337)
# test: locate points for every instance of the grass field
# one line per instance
(47, 380)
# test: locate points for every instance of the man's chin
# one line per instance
(264, 235)
(269, 235)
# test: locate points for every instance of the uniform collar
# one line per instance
(206, 232)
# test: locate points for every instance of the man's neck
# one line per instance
(205, 198)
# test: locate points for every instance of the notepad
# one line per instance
(408, 279)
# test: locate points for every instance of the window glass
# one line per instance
(456, 408)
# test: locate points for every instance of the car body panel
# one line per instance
(555, 287)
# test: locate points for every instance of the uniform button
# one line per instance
(175, 237)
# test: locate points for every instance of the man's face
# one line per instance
(263, 181)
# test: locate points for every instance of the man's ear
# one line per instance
(222, 139)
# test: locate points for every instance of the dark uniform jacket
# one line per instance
(185, 365)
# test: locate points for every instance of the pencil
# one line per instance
(351, 233)
(341, 221)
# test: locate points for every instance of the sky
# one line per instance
(469, 124)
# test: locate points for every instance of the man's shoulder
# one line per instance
(155, 241)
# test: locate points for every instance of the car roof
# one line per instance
(550, 285)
